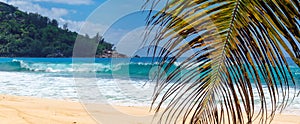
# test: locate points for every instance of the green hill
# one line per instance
(32, 35)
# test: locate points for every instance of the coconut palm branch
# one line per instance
(239, 48)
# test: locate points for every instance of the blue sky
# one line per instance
(73, 12)
(76, 10)
(121, 22)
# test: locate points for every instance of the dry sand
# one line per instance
(27, 110)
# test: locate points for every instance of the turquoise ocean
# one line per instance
(123, 81)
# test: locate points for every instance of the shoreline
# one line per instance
(30, 110)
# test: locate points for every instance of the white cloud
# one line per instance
(83, 27)
(92, 29)
(53, 13)
(58, 12)
(4, 1)
(72, 25)
(71, 2)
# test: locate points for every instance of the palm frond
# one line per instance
(238, 46)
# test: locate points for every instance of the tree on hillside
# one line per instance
(32, 35)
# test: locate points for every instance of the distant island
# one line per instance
(32, 35)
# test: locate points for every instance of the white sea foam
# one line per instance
(37, 85)
(114, 91)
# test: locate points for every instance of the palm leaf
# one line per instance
(238, 46)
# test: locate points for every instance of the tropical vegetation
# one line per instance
(32, 35)
(239, 47)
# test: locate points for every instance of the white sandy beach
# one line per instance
(28, 110)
